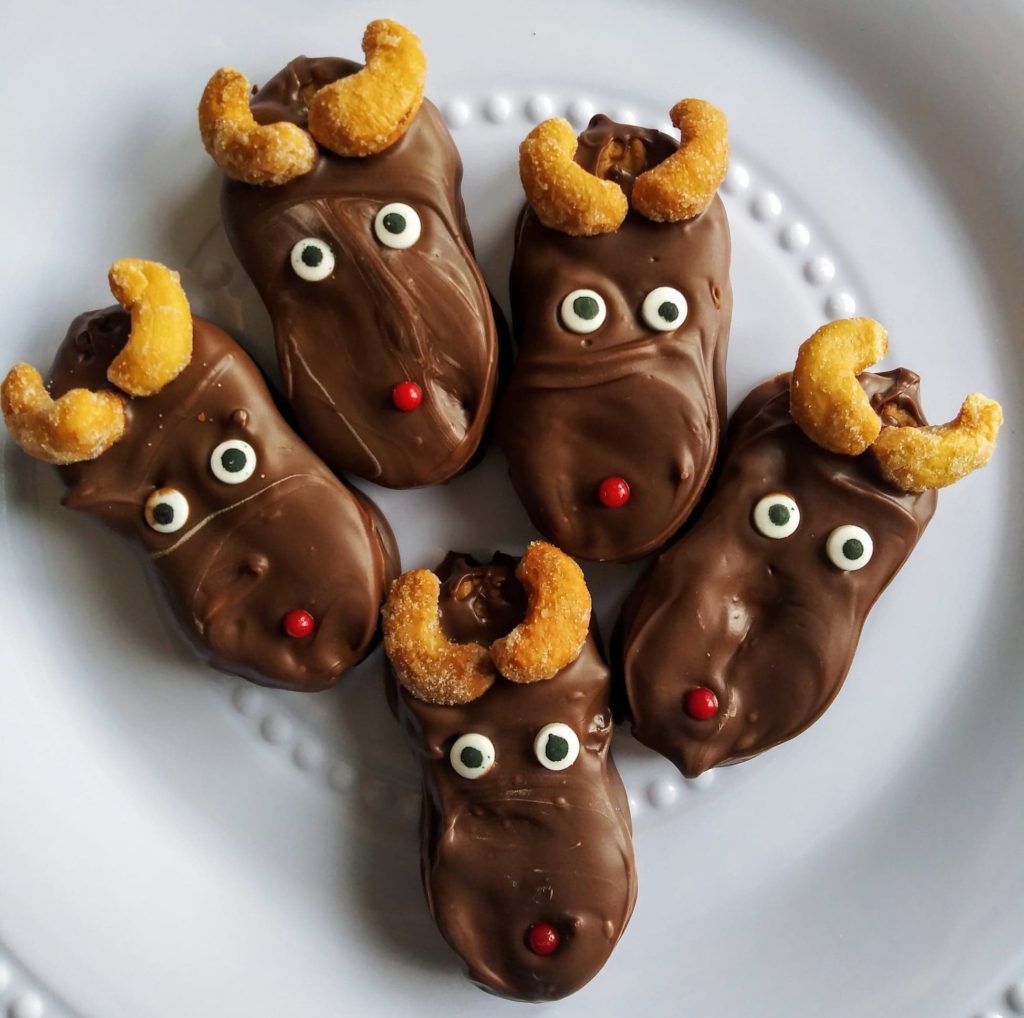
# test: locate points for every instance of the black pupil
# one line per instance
(312, 255)
(163, 513)
(394, 222)
(471, 757)
(853, 549)
(233, 460)
(585, 307)
(668, 311)
(556, 748)
(778, 514)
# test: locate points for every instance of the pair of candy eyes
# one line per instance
(556, 747)
(232, 462)
(663, 309)
(396, 225)
(849, 547)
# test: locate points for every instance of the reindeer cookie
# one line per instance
(343, 203)
(527, 849)
(164, 429)
(741, 634)
(621, 305)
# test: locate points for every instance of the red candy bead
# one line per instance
(701, 703)
(542, 938)
(407, 396)
(614, 492)
(298, 623)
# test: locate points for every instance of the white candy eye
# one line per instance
(233, 461)
(776, 516)
(166, 510)
(312, 259)
(397, 226)
(556, 746)
(664, 309)
(850, 547)
(472, 755)
(583, 311)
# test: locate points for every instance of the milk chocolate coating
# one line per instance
(623, 401)
(383, 316)
(770, 625)
(291, 536)
(521, 844)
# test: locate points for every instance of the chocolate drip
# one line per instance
(290, 537)
(383, 316)
(522, 844)
(625, 400)
(770, 626)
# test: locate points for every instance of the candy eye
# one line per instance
(776, 516)
(397, 226)
(166, 510)
(233, 461)
(583, 311)
(556, 746)
(472, 755)
(849, 547)
(664, 309)
(312, 260)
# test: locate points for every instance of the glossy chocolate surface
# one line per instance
(626, 400)
(383, 316)
(769, 625)
(290, 537)
(522, 844)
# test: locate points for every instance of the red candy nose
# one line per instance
(701, 703)
(407, 396)
(613, 492)
(298, 623)
(542, 938)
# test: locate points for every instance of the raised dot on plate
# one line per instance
(275, 729)
(374, 792)
(539, 107)
(634, 807)
(1015, 997)
(342, 777)
(662, 793)
(840, 305)
(5, 977)
(497, 108)
(27, 1005)
(737, 179)
(579, 112)
(705, 780)
(989, 1014)
(624, 116)
(247, 701)
(308, 755)
(456, 113)
(767, 205)
(794, 237)
(820, 270)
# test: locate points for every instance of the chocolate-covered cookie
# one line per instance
(383, 324)
(273, 567)
(611, 419)
(527, 852)
(742, 633)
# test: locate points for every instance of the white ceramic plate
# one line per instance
(173, 842)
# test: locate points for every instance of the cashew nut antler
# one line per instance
(833, 410)
(557, 617)
(82, 425)
(563, 194)
(370, 110)
(684, 184)
(426, 662)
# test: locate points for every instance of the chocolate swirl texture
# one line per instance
(769, 626)
(624, 400)
(291, 536)
(522, 844)
(384, 315)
